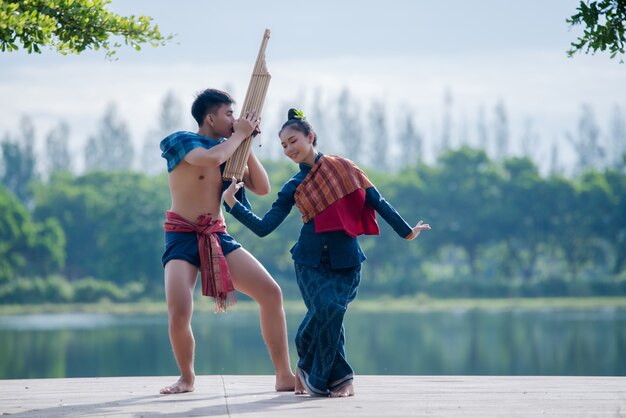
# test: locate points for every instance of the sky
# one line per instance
(410, 54)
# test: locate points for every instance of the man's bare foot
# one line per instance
(285, 383)
(343, 392)
(299, 390)
(179, 387)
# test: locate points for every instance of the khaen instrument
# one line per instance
(255, 97)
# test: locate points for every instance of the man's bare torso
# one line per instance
(195, 191)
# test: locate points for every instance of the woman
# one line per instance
(337, 203)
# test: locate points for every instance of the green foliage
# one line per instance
(72, 26)
(76, 207)
(613, 220)
(130, 228)
(464, 179)
(14, 234)
(46, 252)
(27, 247)
(499, 229)
(604, 24)
(112, 222)
(55, 289)
(93, 290)
(521, 222)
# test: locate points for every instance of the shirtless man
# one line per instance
(194, 163)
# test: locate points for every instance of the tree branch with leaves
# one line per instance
(72, 26)
(604, 22)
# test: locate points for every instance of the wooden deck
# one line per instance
(377, 396)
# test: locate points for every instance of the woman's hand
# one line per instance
(416, 230)
(229, 194)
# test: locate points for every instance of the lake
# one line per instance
(442, 342)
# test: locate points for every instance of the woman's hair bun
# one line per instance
(295, 114)
(291, 114)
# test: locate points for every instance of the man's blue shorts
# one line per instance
(184, 246)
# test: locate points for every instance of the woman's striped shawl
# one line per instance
(331, 178)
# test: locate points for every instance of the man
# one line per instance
(196, 237)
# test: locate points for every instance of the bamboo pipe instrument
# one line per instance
(255, 97)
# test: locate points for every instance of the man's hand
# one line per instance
(247, 125)
(229, 194)
(416, 230)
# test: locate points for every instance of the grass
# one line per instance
(383, 304)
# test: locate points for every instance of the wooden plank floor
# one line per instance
(377, 396)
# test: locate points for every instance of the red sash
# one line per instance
(216, 281)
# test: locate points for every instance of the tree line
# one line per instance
(500, 228)
(370, 133)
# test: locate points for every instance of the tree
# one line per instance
(46, 254)
(27, 248)
(602, 197)
(58, 156)
(72, 26)
(464, 202)
(129, 227)
(604, 23)
(411, 142)
(17, 168)
(501, 131)
(523, 222)
(463, 132)
(112, 223)
(319, 117)
(78, 205)
(617, 136)
(350, 129)
(554, 168)
(446, 124)
(481, 131)
(110, 148)
(170, 120)
(529, 139)
(569, 223)
(586, 142)
(616, 221)
(380, 143)
(13, 234)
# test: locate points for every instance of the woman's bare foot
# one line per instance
(343, 392)
(179, 387)
(285, 383)
(299, 390)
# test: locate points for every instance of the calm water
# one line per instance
(499, 342)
